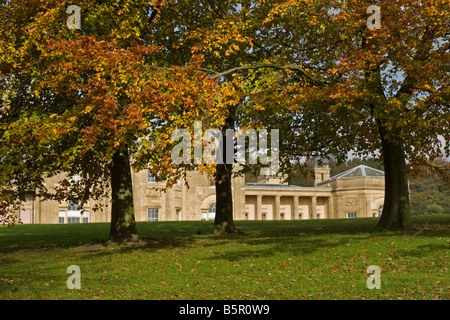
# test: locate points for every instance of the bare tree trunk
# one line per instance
(223, 222)
(396, 209)
(123, 224)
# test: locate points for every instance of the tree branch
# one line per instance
(423, 52)
(216, 75)
(300, 71)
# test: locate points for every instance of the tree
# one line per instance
(373, 91)
(137, 71)
(329, 81)
(89, 102)
(206, 28)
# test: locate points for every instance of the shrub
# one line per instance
(434, 209)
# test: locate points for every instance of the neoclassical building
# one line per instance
(358, 192)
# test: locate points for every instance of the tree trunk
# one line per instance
(396, 209)
(123, 224)
(223, 222)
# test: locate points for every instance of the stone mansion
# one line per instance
(358, 192)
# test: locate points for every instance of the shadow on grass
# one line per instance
(262, 248)
(284, 235)
(423, 250)
(258, 239)
(23, 237)
(42, 236)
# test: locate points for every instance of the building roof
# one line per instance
(259, 184)
(359, 171)
(283, 187)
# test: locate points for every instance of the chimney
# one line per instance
(321, 174)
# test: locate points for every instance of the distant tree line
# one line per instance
(429, 195)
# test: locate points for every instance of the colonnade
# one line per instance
(312, 210)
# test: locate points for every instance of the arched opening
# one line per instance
(380, 211)
(212, 211)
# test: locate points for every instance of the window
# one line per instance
(212, 181)
(212, 212)
(73, 213)
(85, 216)
(62, 217)
(153, 214)
(380, 211)
(150, 177)
(73, 220)
(73, 206)
(74, 179)
(351, 214)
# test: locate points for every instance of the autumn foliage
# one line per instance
(138, 70)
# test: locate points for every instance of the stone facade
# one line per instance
(358, 192)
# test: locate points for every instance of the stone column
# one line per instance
(277, 208)
(368, 201)
(185, 208)
(258, 209)
(313, 213)
(330, 209)
(295, 215)
(37, 212)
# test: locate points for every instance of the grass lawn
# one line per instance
(318, 259)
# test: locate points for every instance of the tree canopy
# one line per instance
(84, 100)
